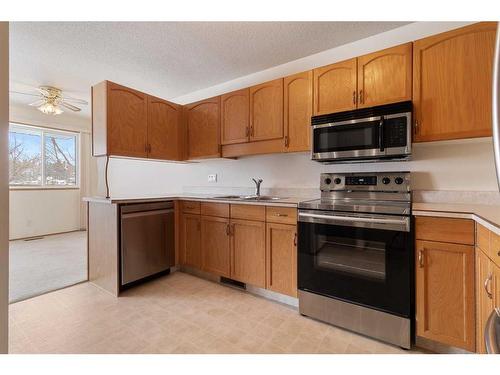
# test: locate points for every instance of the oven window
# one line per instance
(346, 137)
(357, 258)
(367, 266)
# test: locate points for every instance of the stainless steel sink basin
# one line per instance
(248, 197)
(262, 198)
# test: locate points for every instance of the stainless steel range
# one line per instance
(355, 255)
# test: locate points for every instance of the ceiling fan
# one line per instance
(52, 101)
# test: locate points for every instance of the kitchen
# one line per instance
(346, 203)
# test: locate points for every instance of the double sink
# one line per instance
(263, 198)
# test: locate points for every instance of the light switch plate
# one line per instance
(212, 178)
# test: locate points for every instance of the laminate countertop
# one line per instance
(486, 215)
(283, 202)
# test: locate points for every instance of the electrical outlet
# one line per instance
(212, 178)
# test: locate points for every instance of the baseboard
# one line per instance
(47, 234)
(437, 347)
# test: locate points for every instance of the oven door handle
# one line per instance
(355, 219)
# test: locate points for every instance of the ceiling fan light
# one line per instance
(50, 109)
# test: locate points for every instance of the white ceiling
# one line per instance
(167, 59)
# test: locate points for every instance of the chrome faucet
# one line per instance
(257, 186)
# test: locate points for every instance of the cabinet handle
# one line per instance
(251, 130)
(486, 283)
(421, 258)
(415, 129)
(361, 97)
(354, 97)
(286, 140)
(247, 131)
(228, 229)
(295, 240)
(281, 215)
(232, 230)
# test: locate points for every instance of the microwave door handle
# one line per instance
(381, 134)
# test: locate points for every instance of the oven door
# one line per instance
(360, 138)
(362, 259)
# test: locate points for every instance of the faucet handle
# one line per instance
(257, 182)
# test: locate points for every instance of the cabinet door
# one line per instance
(335, 87)
(191, 240)
(281, 251)
(445, 301)
(298, 111)
(266, 111)
(127, 121)
(484, 298)
(385, 76)
(164, 138)
(235, 126)
(452, 75)
(248, 247)
(203, 127)
(215, 232)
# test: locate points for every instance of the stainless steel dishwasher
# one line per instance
(147, 240)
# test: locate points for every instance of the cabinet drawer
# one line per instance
(247, 212)
(281, 215)
(215, 209)
(190, 207)
(494, 251)
(444, 230)
(483, 238)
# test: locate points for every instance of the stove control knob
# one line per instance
(337, 181)
(386, 180)
(328, 180)
(399, 180)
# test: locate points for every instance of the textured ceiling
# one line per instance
(167, 59)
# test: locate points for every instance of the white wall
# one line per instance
(4, 192)
(453, 165)
(40, 212)
(456, 165)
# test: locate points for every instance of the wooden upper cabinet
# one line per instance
(235, 126)
(281, 252)
(452, 75)
(484, 297)
(385, 76)
(248, 249)
(445, 302)
(164, 132)
(203, 129)
(335, 87)
(298, 101)
(215, 237)
(266, 111)
(127, 121)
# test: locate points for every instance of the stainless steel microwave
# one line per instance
(368, 134)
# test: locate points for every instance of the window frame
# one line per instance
(42, 130)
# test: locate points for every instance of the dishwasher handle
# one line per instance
(146, 213)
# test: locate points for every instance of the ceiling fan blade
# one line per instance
(75, 100)
(69, 106)
(25, 93)
(37, 103)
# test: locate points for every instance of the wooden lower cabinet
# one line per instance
(248, 252)
(281, 252)
(445, 303)
(191, 241)
(215, 236)
(484, 296)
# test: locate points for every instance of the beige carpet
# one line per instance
(43, 265)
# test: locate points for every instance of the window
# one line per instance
(42, 157)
